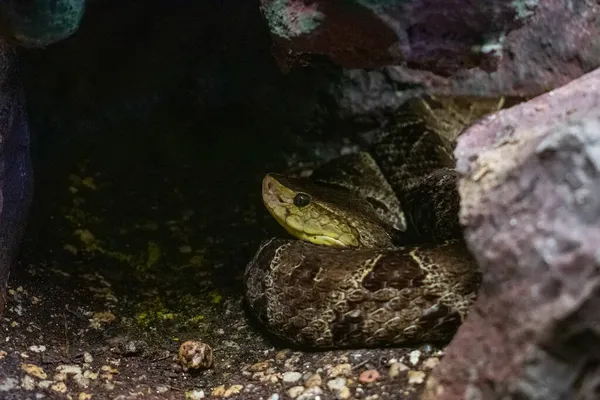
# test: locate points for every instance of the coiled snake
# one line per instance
(380, 260)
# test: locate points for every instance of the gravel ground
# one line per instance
(137, 243)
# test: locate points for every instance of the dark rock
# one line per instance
(15, 165)
(505, 47)
(38, 23)
(530, 203)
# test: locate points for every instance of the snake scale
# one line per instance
(378, 257)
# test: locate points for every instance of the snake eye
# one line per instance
(301, 200)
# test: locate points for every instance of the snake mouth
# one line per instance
(272, 193)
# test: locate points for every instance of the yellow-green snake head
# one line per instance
(322, 214)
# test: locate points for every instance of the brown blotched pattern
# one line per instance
(324, 297)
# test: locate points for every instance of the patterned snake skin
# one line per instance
(380, 260)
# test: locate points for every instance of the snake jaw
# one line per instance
(279, 201)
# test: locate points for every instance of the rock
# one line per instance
(194, 354)
(310, 394)
(313, 381)
(501, 46)
(34, 370)
(415, 356)
(431, 363)
(39, 23)
(195, 394)
(530, 203)
(295, 391)
(291, 376)
(396, 368)
(338, 386)
(341, 370)
(416, 377)
(15, 165)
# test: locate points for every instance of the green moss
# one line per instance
(153, 254)
(215, 297)
(153, 312)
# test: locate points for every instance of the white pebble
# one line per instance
(87, 357)
(336, 383)
(414, 357)
(311, 394)
(291, 376)
(162, 389)
(195, 394)
(38, 349)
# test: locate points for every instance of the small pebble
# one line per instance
(368, 376)
(313, 381)
(414, 357)
(87, 357)
(431, 363)
(81, 381)
(45, 384)
(59, 387)
(416, 377)
(28, 383)
(61, 376)
(162, 389)
(274, 396)
(396, 368)
(70, 369)
(218, 391)
(195, 394)
(194, 354)
(132, 347)
(291, 377)
(295, 391)
(338, 385)
(310, 394)
(34, 370)
(233, 389)
(260, 366)
(8, 384)
(340, 370)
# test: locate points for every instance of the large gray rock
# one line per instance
(15, 165)
(485, 47)
(530, 203)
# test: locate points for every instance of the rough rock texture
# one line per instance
(530, 193)
(15, 165)
(487, 47)
(38, 23)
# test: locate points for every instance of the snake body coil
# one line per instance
(380, 260)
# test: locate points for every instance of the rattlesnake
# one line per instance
(380, 260)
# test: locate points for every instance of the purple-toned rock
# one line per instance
(530, 204)
(505, 47)
(15, 165)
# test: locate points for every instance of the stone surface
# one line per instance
(15, 165)
(530, 190)
(39, 23)
(505, 47)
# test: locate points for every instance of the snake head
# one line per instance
(321, 214)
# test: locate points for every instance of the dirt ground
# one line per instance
(137, 242)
